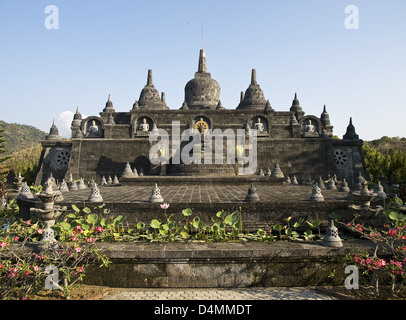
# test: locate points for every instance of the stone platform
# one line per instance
(223, 265)
(276, 202)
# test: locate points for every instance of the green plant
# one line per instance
(315, 224)
(389, 243)
(24, 267)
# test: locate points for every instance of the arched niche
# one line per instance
(202, 123)
(143, 126)
(261, 124)
(93, 127)
(310, 127)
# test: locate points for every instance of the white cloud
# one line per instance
(63, 123)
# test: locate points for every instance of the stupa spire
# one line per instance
(202, 62)
(253, 77)
(149, 78)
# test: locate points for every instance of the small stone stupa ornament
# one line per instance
(103, 181)
(25, 192)
(316, 194)
(64, 186)
(109, 180)
(344, 186)
(261, 172)
(91, 183)
(127, 173)
(81, 184)
(332, 239)
(115, 180)
(95, 195)
(156, 195)
(380, 193)
(294, 180)
(320, 183)
(252, 195)
(73, 186)
(135, 172)
(331, 185)
(268, 173)
(287, 180)
(277, 172)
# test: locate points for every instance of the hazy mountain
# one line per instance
(20, 136)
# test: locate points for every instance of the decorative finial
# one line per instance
(253, 76)
(149, 79)
(202, 62)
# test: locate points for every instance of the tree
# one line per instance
(3, 170)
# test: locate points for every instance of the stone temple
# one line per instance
(107, 144)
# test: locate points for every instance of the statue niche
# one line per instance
(143, 127)
(261, 125)
(93, 129)
(310, 128)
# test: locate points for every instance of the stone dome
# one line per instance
(149, 96)
(202, 92)
(254, 96)
(295, 105)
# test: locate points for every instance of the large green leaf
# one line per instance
(87, 210)
(277, 227)
(155, 224)
(92, 218)
(196, 222)
(220, 214)
(119, 219)
(187, 212)
(75, 208)
(66, 226)
(397, 216)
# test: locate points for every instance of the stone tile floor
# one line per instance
(294, 293)
(203, 194)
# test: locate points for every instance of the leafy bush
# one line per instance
(389, 257)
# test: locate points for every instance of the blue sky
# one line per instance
(107, 47)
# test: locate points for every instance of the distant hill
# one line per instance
(388, 145)
(20, 136)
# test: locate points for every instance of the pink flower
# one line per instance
(99, 229)
(75, 238)
(16, 238)
(35, 268)
(91, 240)
(39, 230)
(80, 269)
(77, 249)
(28, 222)
(3, 244)
(164, 206)
(392, 232)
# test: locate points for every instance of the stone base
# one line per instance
(222, 265)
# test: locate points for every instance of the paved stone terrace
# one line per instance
(203, 194)
(294, 293)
